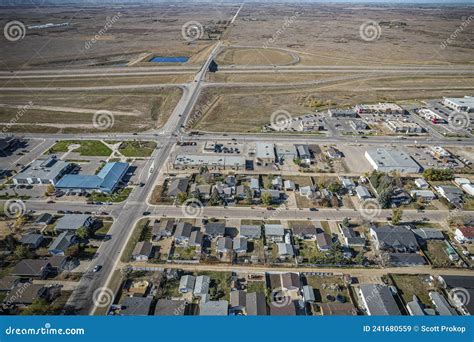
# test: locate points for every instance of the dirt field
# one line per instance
(133, 111)
(329, 34)
(135, 31)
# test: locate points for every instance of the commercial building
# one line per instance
(106, 181)
(342, 113)
(47, 171)
(215, 162)
(398, 126)
(386, 160)
(379, 108)
(431, 116)
(463, 104)
(265, 153)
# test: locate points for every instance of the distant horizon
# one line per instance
(118, 2)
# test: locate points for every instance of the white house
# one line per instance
(464, 234)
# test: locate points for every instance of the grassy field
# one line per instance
(93, 148)
(409, 285)
(138, 230)
(254, 56)
(137, 149)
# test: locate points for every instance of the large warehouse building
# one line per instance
(47, 171)
(386, 160)
(462, 104)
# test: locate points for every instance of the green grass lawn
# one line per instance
(137, 148)
(87, 148)
(104, 229)
(184, 253)
(118, 196)
(256, 286)
(137, 233)
(221, 282)
(309, 250)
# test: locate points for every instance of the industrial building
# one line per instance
(105, 181)
(431, 116)
(462, 104)
(196, 161)
(398, 126)
(386, 160)
(47, 171)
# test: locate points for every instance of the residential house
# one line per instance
(32, 268)
(201, 286)
(421, 183)
(362, 193)
(304, 154)
(285, 250)
(468, 188)
(251, 232)
(304, 231)
(239, 245)
(460, 287)
(289, 185)
(7, 283)
(44, 219)
(177, 186)
(394, 239)
(348, 184)
(195, 239)
(214, 229)
(464, 234)
(170, 307)
(161, 229)
(62, 242)
(406, 259)
(142, 251)
(426, 233)
(307, 191)
(443, 308)
(136, 306)
(214, 308)
(452, 194)
(350, 238)
(224, 244)
(254, 184)
(425, 195)
(186, 283)
(24, 294)
(275, 195)
(308, 294)
(333, 153)
(183, 232)
(324, 241)
(274, 232)
(378, 300)
(277, 183)
(255, 304)
(415, 307)
(32, 241)
(72, 222)
(238, 300)
(290, 281)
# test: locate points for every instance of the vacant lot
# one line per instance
(255, 56)
(72, 112)
(137, 148)
(94, 148)
(409, 285)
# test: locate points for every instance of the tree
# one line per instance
(21, 252)
(182, 197)
(38, 307)
(82, 233)
(345, 222)
(397, 216)
(215, 198)
(248, 196)
(266, 198)
(335, 187)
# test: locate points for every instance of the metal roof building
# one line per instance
(47, 171)
(106, 180)
(386, 160)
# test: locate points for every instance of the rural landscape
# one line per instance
(169, 158)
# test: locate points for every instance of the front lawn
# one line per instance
(118, 196)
